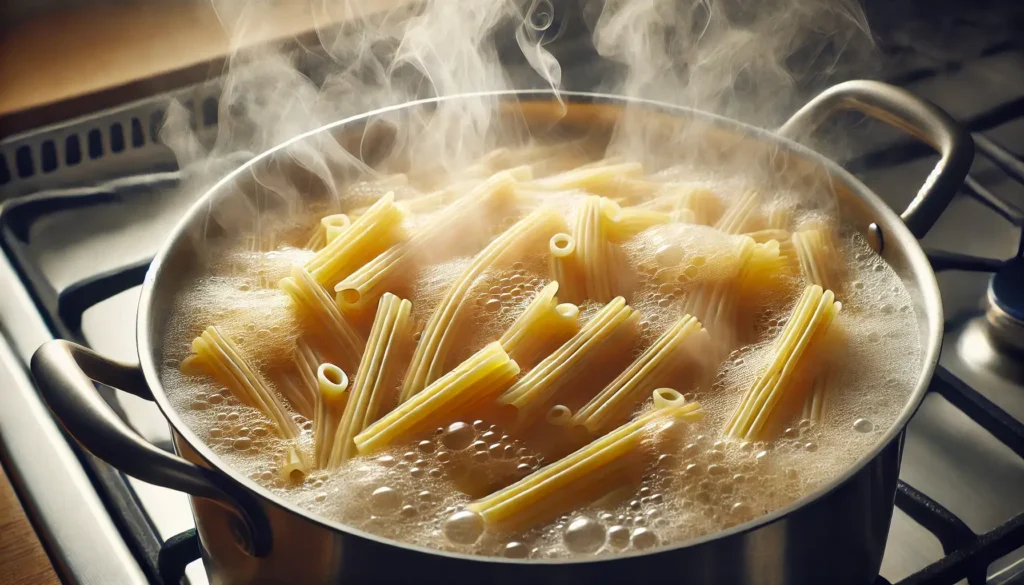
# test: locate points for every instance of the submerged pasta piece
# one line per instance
(817, 257)
(333, 387)
(367, 284)
(222, 358)
(776, 390)
(533, 392)
(472, 383)
(300, 387)
(369, 235)
(342, 342)
(584, 475)
(436, 339)
(544, 325)
(624, 223)
(617, 400)
(715, 303)
(374, 390)
(739, 216)
(600, 180)
(594, 253)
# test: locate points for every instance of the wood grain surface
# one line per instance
(22, 558)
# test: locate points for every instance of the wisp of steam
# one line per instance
(754, 60)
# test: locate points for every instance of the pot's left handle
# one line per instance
(64, 372)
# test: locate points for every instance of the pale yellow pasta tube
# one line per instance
(222, 358)
(565, 267)
(617, 400)
(374, 231)
(714, 303)
(533, 392)
(367, 284)
(333, 387)
(334, 225)
(544, 325)
(761, 407)
(317, 307)
(428, 361)
(600, 180)
(300, 387)
(738, 217)
(698, 205)
(594, 254)
(472, 383)
(624, 223)
(581, 476)
(374, 391)
(783, 237)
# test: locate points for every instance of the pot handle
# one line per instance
(903, 110)
(65, 371)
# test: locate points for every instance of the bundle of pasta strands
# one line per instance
(298, 384)
(218, 355)
(472, 383)
(587, 264)
(369, 235)
(616, 402)
(543, 325)
(743, 215)
(531, 396)
(767, 403)
(624, 223)
(819, 264)
(716, 303)
(605, 179)
(374, 391)
(436, 339)
(333, 335)
(365, 286)
(576, 479)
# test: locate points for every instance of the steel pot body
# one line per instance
(834, 535)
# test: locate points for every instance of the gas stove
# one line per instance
(87, 203)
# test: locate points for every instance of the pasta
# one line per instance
(817, 257)
(333, 387)
(739, 216)
(472, 383)
(533, 392)
(600, 180)
(339, 339)
(583, 475)
(542, 326)
(565, 269)
(334, 225)
(301, 389)
(765, 402)
(376, 378)
(222, 358)
(369, 235)
(715, 303)
(367, 284)
(690, 204)
(626, 223)
(594, 253)
(614, 404)
(428, 361)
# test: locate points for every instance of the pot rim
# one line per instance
(895, 232)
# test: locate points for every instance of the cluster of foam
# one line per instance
(696, 485)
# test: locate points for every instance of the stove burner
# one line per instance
(1005, 314)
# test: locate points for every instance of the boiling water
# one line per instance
(695, 484)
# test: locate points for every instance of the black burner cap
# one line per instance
(1006, 289)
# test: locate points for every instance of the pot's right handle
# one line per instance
(908, 112)
(65, 371)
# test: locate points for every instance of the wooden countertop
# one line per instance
(22, 558)
(81, 60)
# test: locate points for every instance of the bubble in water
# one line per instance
(242, 443)
(863, 425)
(386, 460)
(642, 538)
(584, 535)
(464, 527)
(426, 446)
(408, 511)
(669, 255)
(516, 550)
(458, 436)
(618, 537)
(385, 500)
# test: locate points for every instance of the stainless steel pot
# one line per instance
(835, 535)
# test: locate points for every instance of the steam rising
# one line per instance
(748, 59)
